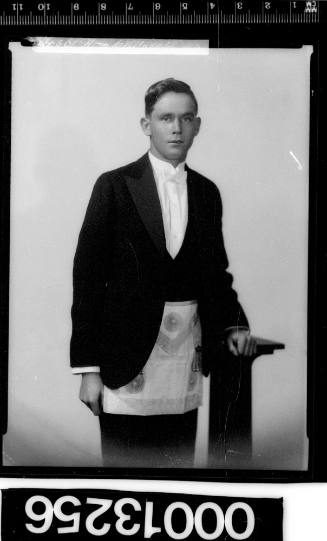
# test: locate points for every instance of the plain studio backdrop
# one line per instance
(75, 116)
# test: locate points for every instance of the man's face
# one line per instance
(172, 126)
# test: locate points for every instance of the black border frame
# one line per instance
(224, 35)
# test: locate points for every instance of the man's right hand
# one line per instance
(91, 391)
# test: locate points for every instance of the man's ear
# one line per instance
(145, 124)
(198, 125)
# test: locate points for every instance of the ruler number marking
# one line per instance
(42, 6)
(311, 6)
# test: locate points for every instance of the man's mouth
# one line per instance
(176, 142)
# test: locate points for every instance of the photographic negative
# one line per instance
(76, 118)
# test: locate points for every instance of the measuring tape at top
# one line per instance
(188, 12)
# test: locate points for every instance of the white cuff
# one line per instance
(85, 369)
(237, 328)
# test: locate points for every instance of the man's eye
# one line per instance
(188, 118)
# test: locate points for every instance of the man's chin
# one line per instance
(176, 154)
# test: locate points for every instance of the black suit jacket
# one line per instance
(118, 295)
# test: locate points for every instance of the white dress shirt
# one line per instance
(172, 191)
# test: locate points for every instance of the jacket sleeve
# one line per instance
(90, 275)
(227, 303)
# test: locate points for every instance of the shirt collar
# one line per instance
(163, 168)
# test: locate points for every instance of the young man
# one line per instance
(152, 295)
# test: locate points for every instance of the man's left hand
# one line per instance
(240, 342)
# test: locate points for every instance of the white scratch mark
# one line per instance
(298, 163)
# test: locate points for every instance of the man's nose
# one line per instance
(177, 126)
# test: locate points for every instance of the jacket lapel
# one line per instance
(195, 204)
(143, 190)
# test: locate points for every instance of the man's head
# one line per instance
(171, 119)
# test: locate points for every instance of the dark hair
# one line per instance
(155, 91)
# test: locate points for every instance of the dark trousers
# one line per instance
(152, 441)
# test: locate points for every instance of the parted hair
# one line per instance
(155, 91)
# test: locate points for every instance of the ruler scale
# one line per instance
(186, 13)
